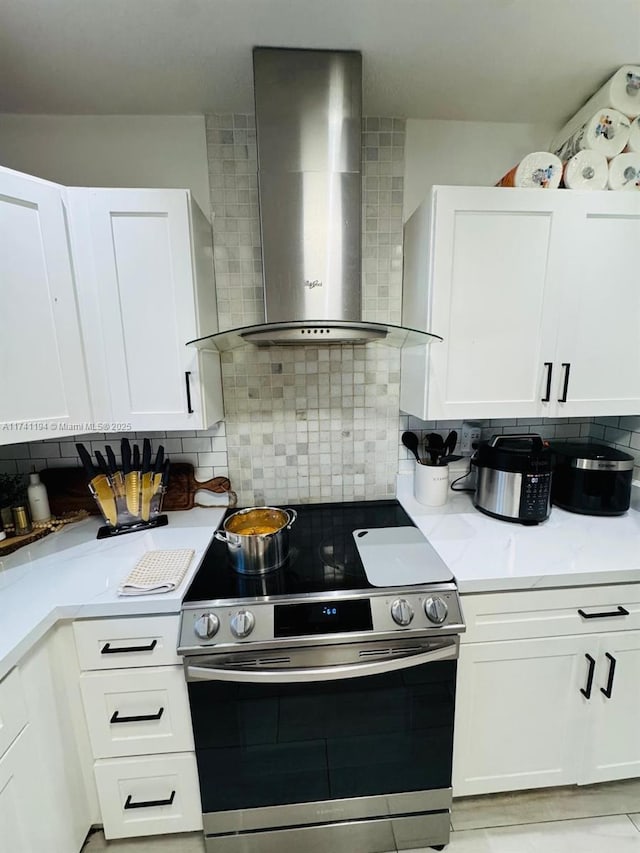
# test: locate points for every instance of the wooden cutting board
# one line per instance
(67, 489)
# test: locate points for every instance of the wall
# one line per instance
(109, 151)
(464, 153)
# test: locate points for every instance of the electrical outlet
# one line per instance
(470, 435)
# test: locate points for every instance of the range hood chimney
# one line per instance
(308, 125)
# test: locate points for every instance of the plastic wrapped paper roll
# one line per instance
(624, 172)
(634, 136)
(607, 131)
(586, 170)
(621, 92)
(539, 170)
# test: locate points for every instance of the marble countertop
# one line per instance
(70, 575)
(486, 554)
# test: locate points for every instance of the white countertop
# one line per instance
(486, 554)
(70, 575)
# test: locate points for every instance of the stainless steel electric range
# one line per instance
(322, 705)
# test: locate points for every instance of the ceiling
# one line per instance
(480, 60)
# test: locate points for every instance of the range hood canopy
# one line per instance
(308, 127)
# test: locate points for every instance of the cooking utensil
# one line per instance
(450, 443)
(257, 538)
(411, 442)
(99, 486)
(146, 480)
(131, 477)
(117, 480)
(434, 445)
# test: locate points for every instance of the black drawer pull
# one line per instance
(608, 690)
(619, 612)
(586, 691)
(565, 387)
(149, 804)
(107, 650)
(547, 393)
(187, 374)
(139, 719)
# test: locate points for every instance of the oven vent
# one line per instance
(407, 650)
(273, 661)
(374, 653)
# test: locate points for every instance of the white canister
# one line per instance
(431, 484)
(38, 500)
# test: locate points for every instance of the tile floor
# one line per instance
(560, 820)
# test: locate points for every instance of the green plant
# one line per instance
(13, 490)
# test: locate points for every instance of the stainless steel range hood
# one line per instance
(308, 123)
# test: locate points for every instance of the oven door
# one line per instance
(368, 727)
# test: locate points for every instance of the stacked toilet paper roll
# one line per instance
(624, 172)
(586, 170)
(538, 170)
(621, 92)
(606, 131)
(634, 136)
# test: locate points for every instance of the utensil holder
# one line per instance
(431, 484)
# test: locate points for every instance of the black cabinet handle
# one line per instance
(565, 387)
(107, 650)
(607, 691)
(149, 804)
(547, 393)
(187, 374)
(619, 612)
(139, 719)
(586, 691)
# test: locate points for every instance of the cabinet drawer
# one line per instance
(137, 711)
(550, 612)
(147, 796)
(13, 709)
(120, 643)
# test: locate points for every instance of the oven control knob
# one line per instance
(401, 611)
(206, 626)
(436, 609)
(242, 623)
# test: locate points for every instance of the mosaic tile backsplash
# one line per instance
(305, 423)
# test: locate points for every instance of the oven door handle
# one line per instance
(325, 673)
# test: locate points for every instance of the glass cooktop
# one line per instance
(322, 554)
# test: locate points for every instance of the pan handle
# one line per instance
(222, 536)
(292, 517)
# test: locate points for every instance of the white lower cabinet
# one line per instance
(534, 710)
(139, 723)
(149, 795)
(18, 830)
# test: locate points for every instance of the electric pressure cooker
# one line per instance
(513, 478)
(591, 478)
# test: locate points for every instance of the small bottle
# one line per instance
(38, 500)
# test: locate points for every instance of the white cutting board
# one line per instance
(399, 556)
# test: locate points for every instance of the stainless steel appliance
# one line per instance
(323, 706)
(513, 478)
(591, 478)
(309, 139)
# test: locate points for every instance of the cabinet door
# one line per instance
(520, 716)
(43, 384)
(599, 336)
(492, 299)
(18, 828)
(139, 243)
(613, 737)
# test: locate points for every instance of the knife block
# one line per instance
(126, 522)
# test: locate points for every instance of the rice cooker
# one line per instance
(591, 478)
(513, 478)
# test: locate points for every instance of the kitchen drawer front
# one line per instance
(137, 711)
(13, 709)
(550, 612)
(123, 643)
(148, 796)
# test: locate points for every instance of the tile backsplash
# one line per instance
(305, 423)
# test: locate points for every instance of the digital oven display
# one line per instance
(326, 617)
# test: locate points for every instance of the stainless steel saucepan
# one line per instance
(257, 538)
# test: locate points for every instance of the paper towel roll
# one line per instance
(624, 172)
(538, 170)
(634, 136)
(621, 92)
(607, 131)
(586, 170)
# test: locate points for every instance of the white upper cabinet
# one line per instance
(43, 382)
(521, 284)
(144, 261)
